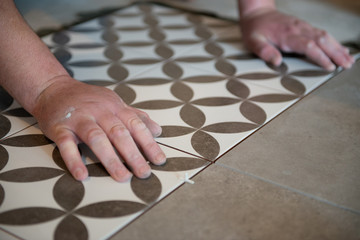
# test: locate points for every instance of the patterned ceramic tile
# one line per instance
(13, 117)
(196, 67)
(200, 111)
(40, 200)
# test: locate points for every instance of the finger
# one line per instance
(92, 135)
(143, 137)
(121, 138)
(337, 53)
(304, 45)
(264, 49)
(154, 128)
(66, 142)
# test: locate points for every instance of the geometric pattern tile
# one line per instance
(13, 118)
(163, 61)
(184, 70)
(189, 72)
(39, 199)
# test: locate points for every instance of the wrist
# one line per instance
(249, 8)
(48, 90)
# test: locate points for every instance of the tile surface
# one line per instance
(166, 60)
(248, 209)
(189, 72)
(40, 200)
(13, 117)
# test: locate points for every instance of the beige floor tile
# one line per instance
(224, 204)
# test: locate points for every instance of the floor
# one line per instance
(279, 162)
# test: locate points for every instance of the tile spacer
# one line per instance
(187, 179)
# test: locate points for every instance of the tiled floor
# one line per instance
(194, 77)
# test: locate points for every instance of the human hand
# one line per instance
(265, 30)
(70, 112)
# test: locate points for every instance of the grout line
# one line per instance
(13, 235)
(18, 131)
(183, 151)
(291, 189)
(157, 202)
(296, 101)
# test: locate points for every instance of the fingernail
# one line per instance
(79, 174)
(158, 131)
(352, 60)
(331, 67)
(347, 65)
(122, 175)
(160, 159)
(275, 60)
(145, 171)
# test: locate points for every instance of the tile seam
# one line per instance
(336, 73)
(10, 234)
(308, 195)
(184, 151)
(18, 131)
(154, 204)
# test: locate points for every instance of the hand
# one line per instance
(70, 112)
(265, 29)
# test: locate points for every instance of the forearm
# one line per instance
(247, 7)
(27, 66)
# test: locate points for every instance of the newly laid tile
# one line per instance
(210, 111)
(228, 56)
(39, 199)
(166, 60)
(13, 117)
(224, 204)
(313, 147)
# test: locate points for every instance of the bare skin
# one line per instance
(89, 114)
(265, 31)
(98, 117)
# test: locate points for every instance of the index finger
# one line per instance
(142, 136)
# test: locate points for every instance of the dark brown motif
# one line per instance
(68, 193)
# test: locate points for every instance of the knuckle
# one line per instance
(322, 37)
(322, 33)
(265, 51)
(119, 100)
(143, 114)
(284, 46)
(290, 28)
(118, 131)
(134, 158)
(63, 138)
(309, 43)
(94, 135)
(296, 21)
(63, 135)
(111, 163)
(151, 146)
(136, 124)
